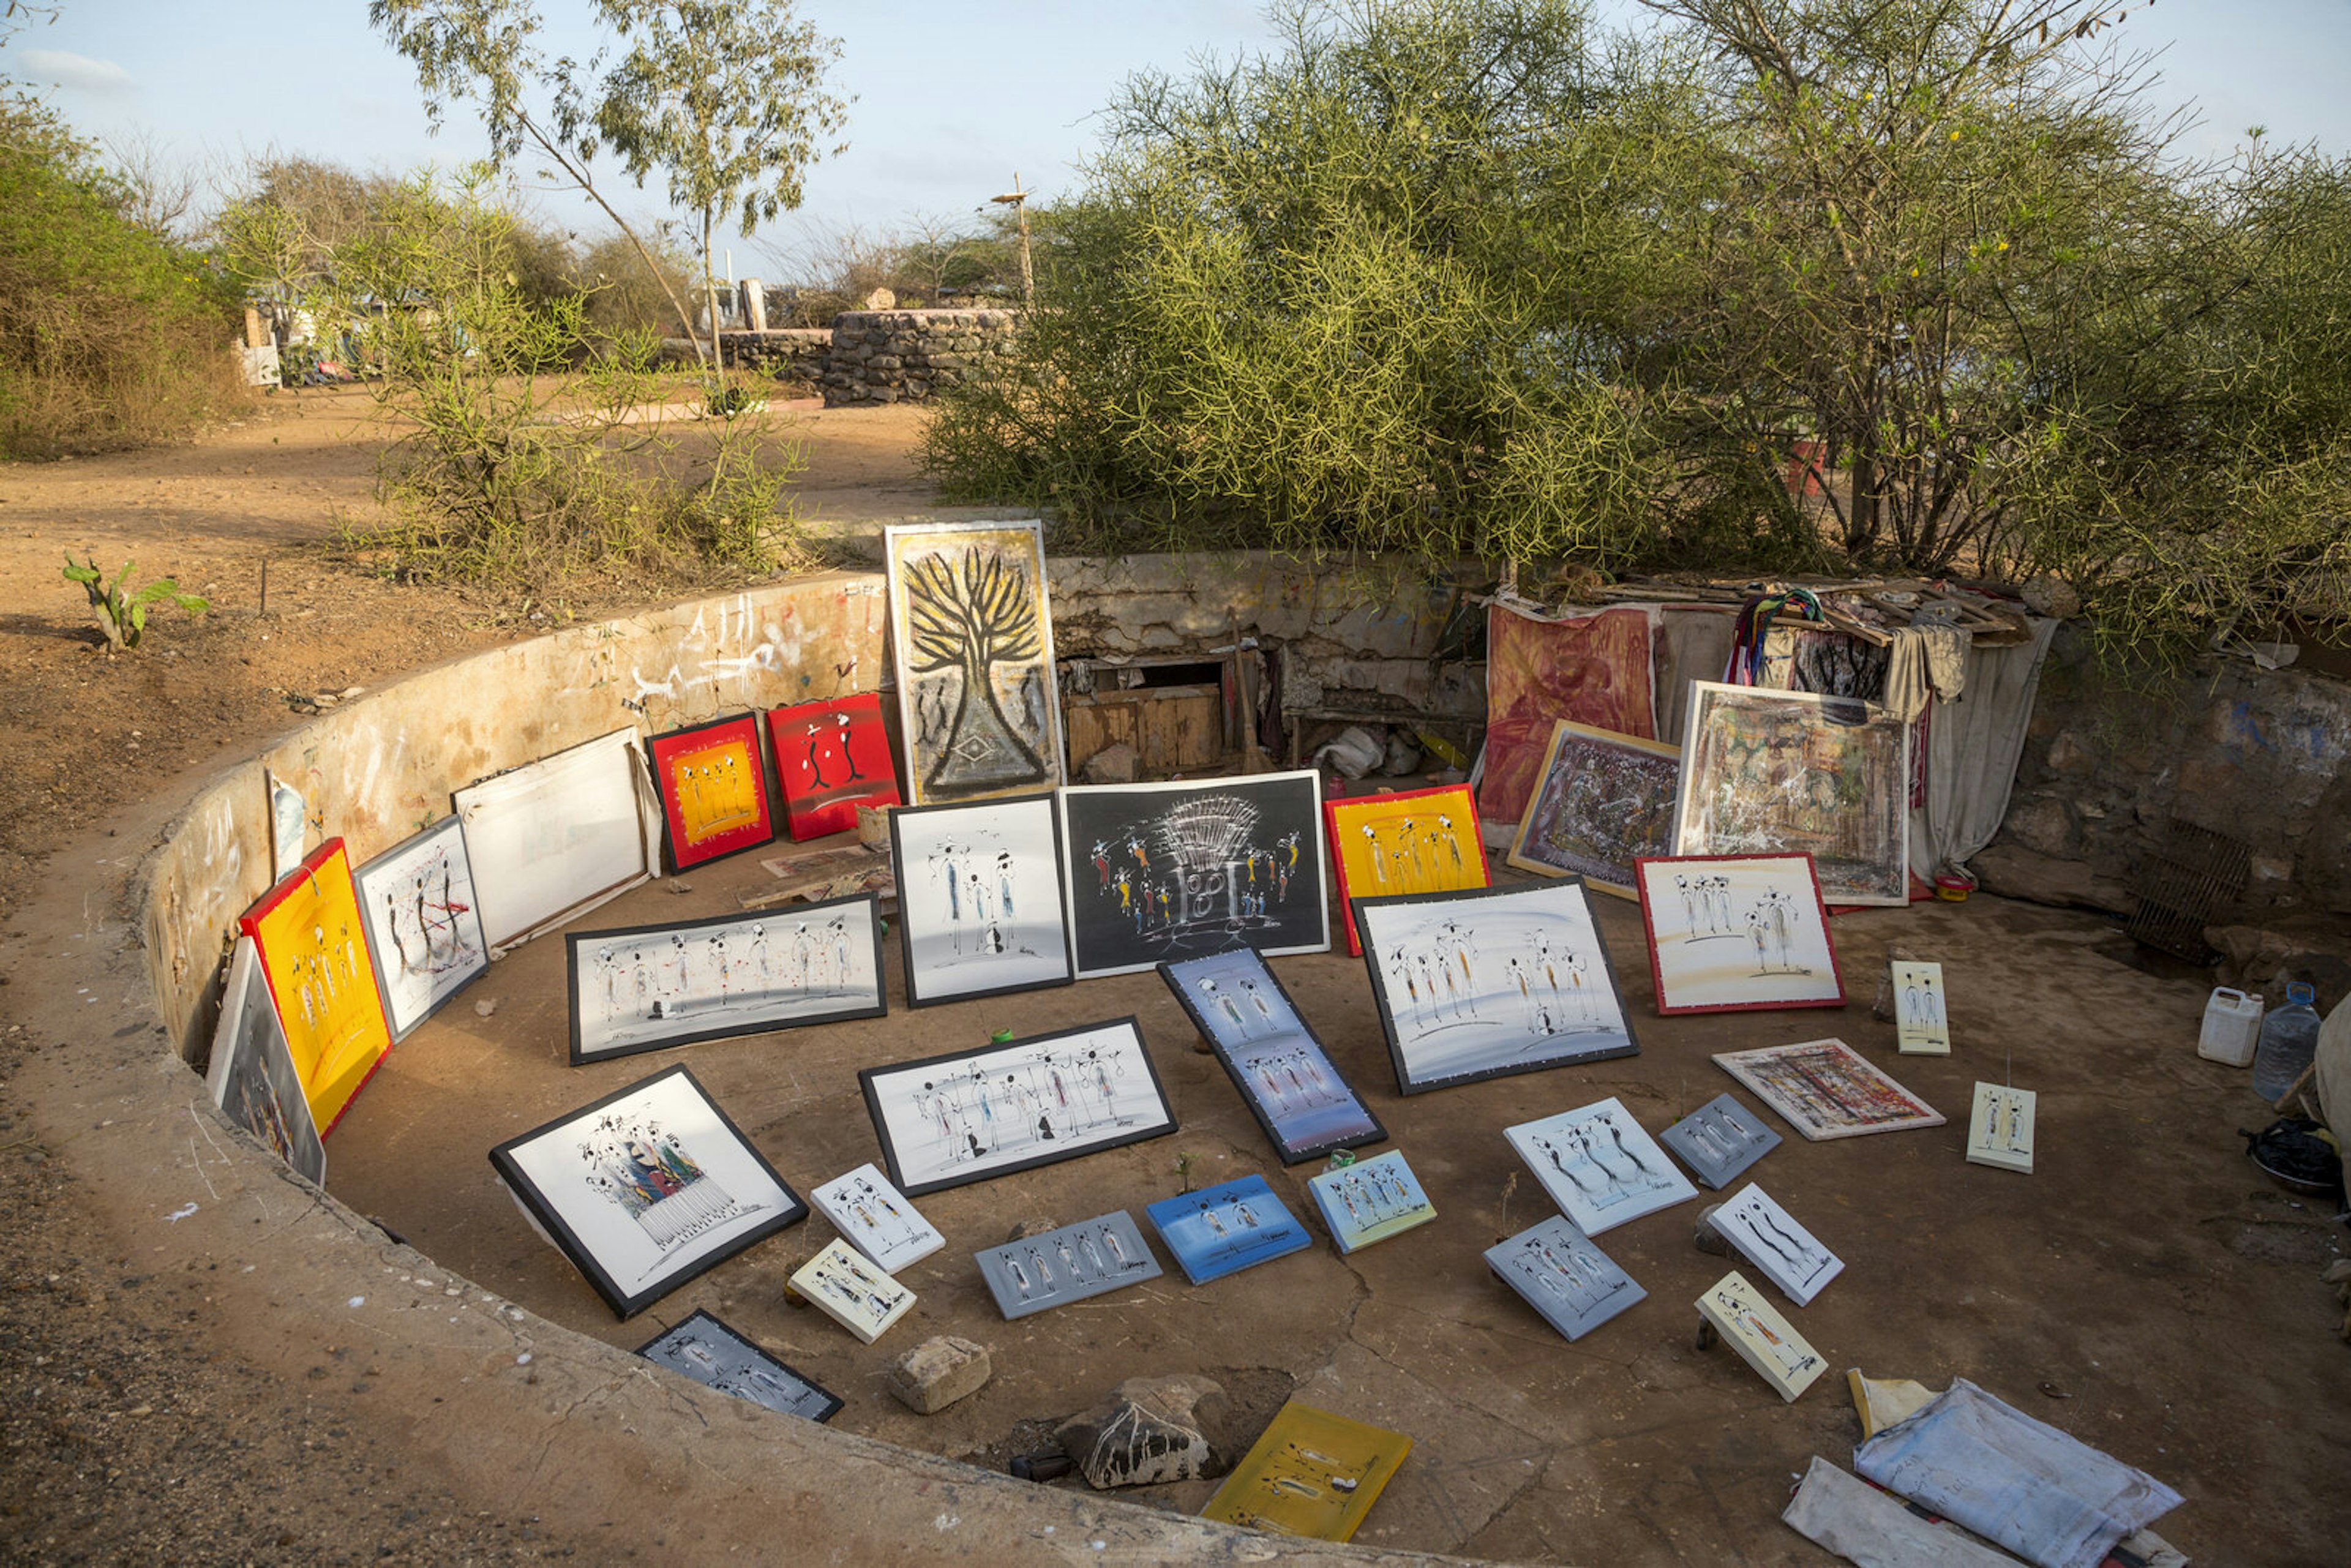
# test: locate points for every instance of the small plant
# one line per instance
(122, 609)
(1183, 1172)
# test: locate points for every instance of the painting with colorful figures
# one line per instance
(1484, 982)
(713, 781)
(1999, 1127)
(979, 898)
(1286, 1078)
(1072, 1263)
(853, 1290)
(311, 940)
(1921, 1026)
(1222, 1229)
(1825, 1089)
(553, 838)
(1411, 840)
(1599, 1164)
(1564, 1276)
(1769, 1237)
(1600, 801)
(424, 934)
(1370, 1200)
(251, 1075)
(1718, 1140)
(877, 1218)
(646, 987)
(1311, 1474)
(1734, 932)
(1764, 1340)
(715, 1356)
(1158, 873)
(830, 758)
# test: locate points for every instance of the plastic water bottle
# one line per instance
(2289, 1041)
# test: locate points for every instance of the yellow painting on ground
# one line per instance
(314, 955)
(1312, 1474)
(716, 787)
(1414, 841)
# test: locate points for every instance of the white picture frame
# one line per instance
(423, 924)
(553, 838)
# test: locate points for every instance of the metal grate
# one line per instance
(2182, 884)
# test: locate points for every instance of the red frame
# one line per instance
(249, 924)
(1339, 860)
(663, 751)
(1649, 934)
(862, 742)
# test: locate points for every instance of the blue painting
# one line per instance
(1222, 1229)
(1287, 1079)
(1371, 1200)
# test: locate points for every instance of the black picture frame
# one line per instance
(771, 795)
(830, 1404)
(914, 927)
(1221, 1040)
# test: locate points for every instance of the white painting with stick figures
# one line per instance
(979, 897)
(1768, 1236)
(1733, 932)
(423, 930)
(1921, 1025)
(1600, 1165)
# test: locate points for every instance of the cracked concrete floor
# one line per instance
(2146, 1288)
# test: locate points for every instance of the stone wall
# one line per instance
(903, 356)
(788, 353)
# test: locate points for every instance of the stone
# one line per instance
(1707, 1238)
(1028, 1228)
(880, 299)
(2069, 757)
(2013, 870)
(1149, 1432)
(937, 1373)
(1113, 764)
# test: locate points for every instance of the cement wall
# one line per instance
(894, 356)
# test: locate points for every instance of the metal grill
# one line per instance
(2182, 884)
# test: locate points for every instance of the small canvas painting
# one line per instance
(1600, 801)
(713, 790)
(1371, 1200)
(1090, 1258)
(1599, 1164)
(1921, 1028)
(1311, 1474)
(1826, 1089)
(1718, 1140)
(1764, 1340)
(251, 1075)
(1489, 981)
(1222, 1229)
(312, 943)
(1413, 841)
(979, 898)
(1768, 1237)
(830, 758)
(551, 839)
(1728, 933)
(1999, 1127)
(1564, 1276)
(877, 1218)
(423, 931)
(709, 1351)
(1289, 1081)
(853, 1290)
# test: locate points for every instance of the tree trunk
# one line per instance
(983, 749)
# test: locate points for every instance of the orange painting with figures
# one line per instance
(314, 956)
(713, 790)
(1410, 840)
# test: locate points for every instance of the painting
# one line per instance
(1921, 1027)
(713, 784)
(853, 1290)
(555, 838)
(1718, 1140)
(1311, 1475)
(1287, 1079)
(424, 933)
(1564, 1276)
(1157, 872)
(1222, 1229)
(1014, 1105)
(877, 1218)
(646, 987)
(1594, 669)
(1599, 1164)
(1770, 772)
(1091, 1258)
(830, 758)
(1411, 840)
(1371, 1200)
(980, 899)
(1484, 982)
(311, 941)
(1734, 932)
(1769, 1237)
(1764, 1340)
(1825, 1089)
(1999, 1127)
(715, 1356)
(1600, 801)
(252, 1076)
(973, 639)
(646, 1188)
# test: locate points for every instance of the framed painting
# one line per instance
(646, 987)
(1764, 1340)
(972, 1114)
(1564, 1276)
(1484, 982)
(1225, 1229)
(1370, 1200)
(1999, 1127)
(1311, 1474)
(311, 942)
(1413, 841)
(1072, 1263)
(1599, 1164)
(423, 930)
(1728, 933)
(830, 758)
(1770, 772)
(1594, 667)
(1921, 1027)
(1718, 1140)
(553, 838)
(1825, 1089)
(646, 1188)
(251, 1075)
(1156, 872)
(980, 899)
(713, 782)
(972, 636)
(853, 1290)
(1289, 1081)
(877, 1218)
(1600, 800)
(715, 1356)
(1770, 1238)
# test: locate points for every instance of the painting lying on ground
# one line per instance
(979, 898)
(1600, 801)
(877, 1218)
(1593, 668)
(1733, 932)
(1489, 981)
(1718, 1140)
(1999, 1127)
(709, 1351)
(646, 1188)
(1286, 1078)
(1565, 1275)
(553, 838)
(830, 758)
(423, 931)
(312, 944)
(1311, 1474)
(1764, 1340)
(1222, 1229)
(1160, 873)
(1413, 841)
(1826, 1089)
(1771, 772)
(713, 781)
(1921, 1026)
(1769, 1237)
(1371, 1200)
(971, 1115)
(643, 988)
(973, 639)
(1091, 1258)
(853, 1290)
(251, 1075)
(1600, 1165)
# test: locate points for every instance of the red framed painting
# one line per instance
(312, 943)
(1407, 841)
(1733, 933)
(713, 790)
(830, 758)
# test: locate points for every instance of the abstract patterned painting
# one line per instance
(1593, 668)
(1600, 801)
(1827, 1090)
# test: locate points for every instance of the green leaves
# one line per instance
(122, 612)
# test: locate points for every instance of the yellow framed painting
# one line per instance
(1409, 841)
(314, 956)
(1312, 1474)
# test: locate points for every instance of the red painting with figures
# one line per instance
(830, 758)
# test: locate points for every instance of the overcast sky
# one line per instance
(952, 99)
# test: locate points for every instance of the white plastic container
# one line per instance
(2233, 1028)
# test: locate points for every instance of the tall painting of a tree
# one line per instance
(974, 650)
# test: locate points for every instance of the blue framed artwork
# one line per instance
(1286, 1078)
(1222, 1229)
(1371, 1200)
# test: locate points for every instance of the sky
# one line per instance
(951, 100)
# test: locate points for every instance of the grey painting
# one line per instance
(1718, 1140)
(252, 1076)
(979, 898)
(1099, 1255)
(713, 1355)
(1562, 1275)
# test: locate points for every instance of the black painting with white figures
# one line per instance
(964, 1117)
(423, 930)
(1718, 1140)
(647, 987)
(1487, 981)
(1768, 1236)
(713, 1355)
(1089, 1259)
(979, 898)
(1160, 873)
(1600, 1165)
(1736, 932)
(1564, 1276)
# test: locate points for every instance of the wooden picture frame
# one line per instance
(1600, 801)
(712, 778)
(1825, 1089)
(1736, 933)
(831, 758)
(424, 930)
(1302, 1103)
(980, 898)
(1405, 840)
(311, 941)
(551, 839)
